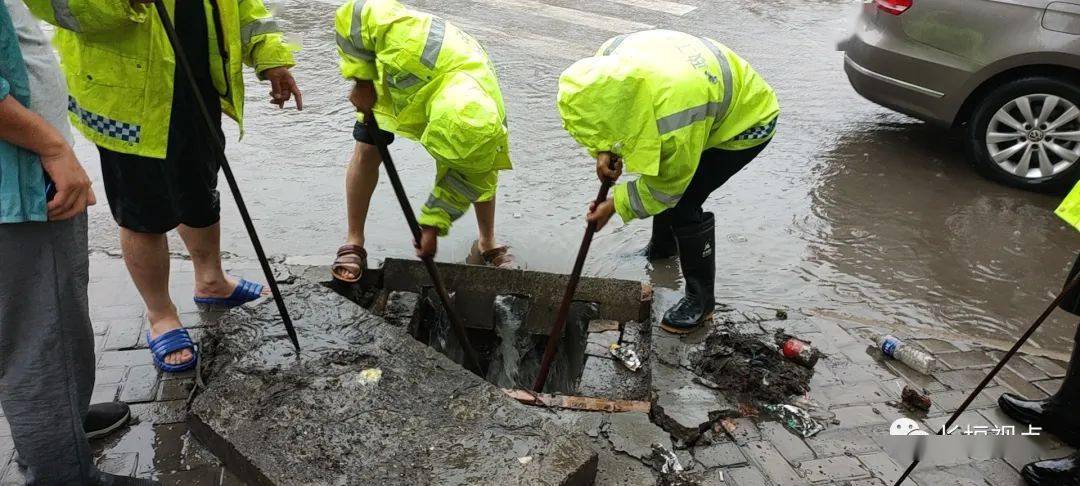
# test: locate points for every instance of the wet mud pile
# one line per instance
(749, 368)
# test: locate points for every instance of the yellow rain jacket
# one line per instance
(658, 99)
(1069, 210)
(434, 84)
(120, 66)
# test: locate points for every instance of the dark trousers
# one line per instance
(716, 167)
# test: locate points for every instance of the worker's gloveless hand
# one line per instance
(601, 214)
(363, 97)
(283, 87)
(73, 190)
(605, 169)
(429, 242)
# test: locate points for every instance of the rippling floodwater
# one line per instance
(852, 210)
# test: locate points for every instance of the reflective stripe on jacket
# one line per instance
(434, 84)
(120, 66)
(1069, 210)
(658, 99)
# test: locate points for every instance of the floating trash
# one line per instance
(915, 399)
(796, 419)
(626, 355)
(369, 376)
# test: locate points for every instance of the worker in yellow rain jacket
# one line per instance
(1057, 413)
(159, 166)
(424, 79)
(686, 114)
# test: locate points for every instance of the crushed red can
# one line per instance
(800, 352)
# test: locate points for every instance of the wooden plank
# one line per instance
(587, 404)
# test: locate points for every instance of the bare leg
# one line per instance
(360, 181)
(147, 259)
(485, 222)
(204, 245)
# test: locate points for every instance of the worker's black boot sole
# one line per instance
(662, 243)
(696, 246)
(1057, 414)
(1053, 472)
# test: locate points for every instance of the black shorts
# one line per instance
(360, 134)
(150, 195)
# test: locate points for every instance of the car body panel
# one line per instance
(927, 61)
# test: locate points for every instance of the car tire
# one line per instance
(1000, 113)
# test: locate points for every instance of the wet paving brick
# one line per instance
(835, 442)
(833, 469)
(1020, 385)
(140, 385)
(741, 430)
(854, 394)
(936, 346)
(966, 360)
(745, 476)
(121, 464)
(157, 413)
(1023, 368)
(998, 473)
(132, 357)
(1053, 368)
(123, 334)
(175, 389)
(110, 375)
(859, 416)
(105, 393)
(970, 420)
(961, 475)
(1050, 386)
(786, 442)
(961, 379)
(724, 454)
(882, 466)
(195, 477)
(763, 455)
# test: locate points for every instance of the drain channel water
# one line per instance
(509, 351)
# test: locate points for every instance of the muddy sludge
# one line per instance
(750, 369)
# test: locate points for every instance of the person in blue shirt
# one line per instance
(46, 339)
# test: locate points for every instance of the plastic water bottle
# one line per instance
(896, 349)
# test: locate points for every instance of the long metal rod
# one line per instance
(429, 262)
(219, 146)
(1072, 285)
(555, 335)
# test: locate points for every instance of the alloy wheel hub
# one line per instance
(1035, 136)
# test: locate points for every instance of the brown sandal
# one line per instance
(351, 258)
(498, 257)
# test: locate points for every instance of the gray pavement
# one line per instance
(852, 384)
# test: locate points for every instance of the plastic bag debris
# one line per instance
(525, 460)
(626, 355)
(671, 470)
(796, 419)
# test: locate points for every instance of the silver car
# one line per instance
(1006, 71)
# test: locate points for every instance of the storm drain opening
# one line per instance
(507, 315)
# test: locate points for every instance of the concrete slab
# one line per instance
(321, 418)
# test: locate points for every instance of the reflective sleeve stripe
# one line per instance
(462, 187)
(348, 48)
(725, 72)
(64, 17)
(258, 27)
(434, 42)
(668, 200)
(635, 200)
(711, 109)
(436, 203)
(404, 82)
(614, 44)
(687, 117)
(357, 24)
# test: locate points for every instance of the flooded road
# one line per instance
(852, 210)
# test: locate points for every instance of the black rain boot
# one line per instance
(696, 245)
(1056, 414)
(662, 242)
(1054, 472)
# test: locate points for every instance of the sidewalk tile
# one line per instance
(833, 469)
(775, 467)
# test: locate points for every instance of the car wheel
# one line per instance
(1026, 134)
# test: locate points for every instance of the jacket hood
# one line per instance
(606, 105)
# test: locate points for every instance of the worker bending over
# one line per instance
(424, 79)
(686, 114)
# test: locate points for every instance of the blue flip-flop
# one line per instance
(168, 343)
(246, 291)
